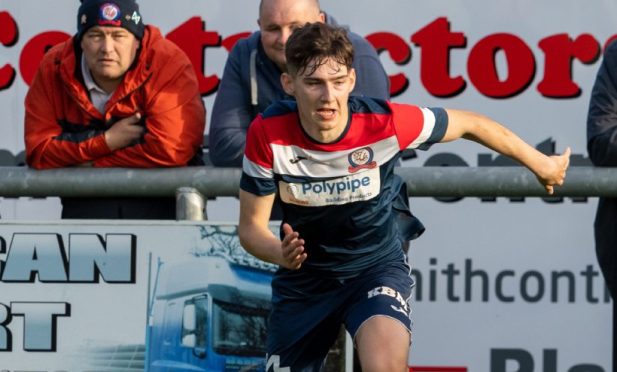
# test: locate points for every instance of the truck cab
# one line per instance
(209, 313)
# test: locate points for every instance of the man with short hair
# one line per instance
(331, 158)
(251, 80)
(117, 94)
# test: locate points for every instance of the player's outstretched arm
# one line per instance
(258, 240)
(550, 170)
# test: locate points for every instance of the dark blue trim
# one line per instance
(257, 186)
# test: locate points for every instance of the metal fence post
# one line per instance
(190, 205)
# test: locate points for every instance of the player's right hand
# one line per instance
(292, 248)
(124, 132)
(554, 171)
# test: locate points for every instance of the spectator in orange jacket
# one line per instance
(117, 94)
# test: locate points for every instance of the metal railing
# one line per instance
(191, 184)
(212, 182)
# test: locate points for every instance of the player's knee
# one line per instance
(384, 363)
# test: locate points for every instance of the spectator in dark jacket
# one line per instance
(602, 147)
(251, 80)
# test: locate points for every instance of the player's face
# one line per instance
(322, 98)
(278, 19)
(109, 53)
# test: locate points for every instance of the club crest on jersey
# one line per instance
(109, 14)
(361, 159)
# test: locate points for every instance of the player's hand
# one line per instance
(292, 249)
(554, 172)
(124, 132)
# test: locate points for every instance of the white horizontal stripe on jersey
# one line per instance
(427, 129)
(296, 161)
(256, 170)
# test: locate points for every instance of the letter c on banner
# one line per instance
(400, 53)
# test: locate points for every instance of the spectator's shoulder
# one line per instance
(368, 105)
(361, 45)
(59, 50)
(280, 108)
(244, 46)
(59, 57)
(611, 50)
(159, 50)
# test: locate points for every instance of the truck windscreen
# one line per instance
(239, 329)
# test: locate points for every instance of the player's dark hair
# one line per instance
(312, 45)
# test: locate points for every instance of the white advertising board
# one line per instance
(108, 296)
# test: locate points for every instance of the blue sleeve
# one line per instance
(371, 78)
(602, 115)
(232, 112)
(257, 186)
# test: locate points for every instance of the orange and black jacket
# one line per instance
(63, 128)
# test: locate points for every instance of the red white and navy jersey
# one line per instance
(339, 196)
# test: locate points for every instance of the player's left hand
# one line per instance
(292, 248)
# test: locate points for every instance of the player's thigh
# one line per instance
(383, 344)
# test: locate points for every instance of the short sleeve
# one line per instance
(257, 173)
(418, 127)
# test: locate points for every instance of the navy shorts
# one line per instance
(301, 331)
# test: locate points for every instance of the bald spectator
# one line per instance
(251, 81)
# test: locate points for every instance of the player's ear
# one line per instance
(287, 83)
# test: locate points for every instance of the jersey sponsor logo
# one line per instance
(361, 159)
(358, 187)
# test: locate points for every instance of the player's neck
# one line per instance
(324, 131)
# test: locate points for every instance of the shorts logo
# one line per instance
(399, 309)
(361, 159)
(109, 14)
(274, 361)
(387, 291)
